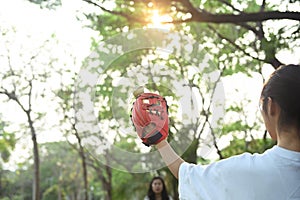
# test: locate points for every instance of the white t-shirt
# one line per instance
(275, 175)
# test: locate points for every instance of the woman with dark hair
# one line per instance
(274, 174)
(157, 190)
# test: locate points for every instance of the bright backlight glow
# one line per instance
(160, 21)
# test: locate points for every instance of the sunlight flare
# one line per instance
(160, 21)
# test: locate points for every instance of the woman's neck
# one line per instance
(289, 140)
(158, 197)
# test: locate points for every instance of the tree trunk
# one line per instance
(36, 158)
(83, 163)
(84, 168)
(109, 189)
(106, 180)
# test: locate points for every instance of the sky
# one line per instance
(28, 18)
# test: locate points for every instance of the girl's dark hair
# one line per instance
(283, 87)
(164, 193)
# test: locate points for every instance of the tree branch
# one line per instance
(234, 44)
(219, 152)
(129, 17)
(244, 17)
(30, 95)
(244, 25)
(204, 16)
(230, 5)
(12, 96)
(261, 33)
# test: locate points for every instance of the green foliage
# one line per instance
(7, 143)
(237, 126)
(239, 146)
(53, 4)
(16, 184)
(107, 25)
(190, 155)
(61, 170)
(129, 185)
(54, 192)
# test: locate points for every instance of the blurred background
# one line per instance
(44, 45)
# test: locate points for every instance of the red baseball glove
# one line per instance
(150, 118)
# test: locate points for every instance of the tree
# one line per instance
(243, 26)
(68, 106)
(61, 169)
(66, 102)
(12, 96)
(25, 72)
(248, 27)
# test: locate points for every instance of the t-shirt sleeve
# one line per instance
(214, 181)
(197, 181)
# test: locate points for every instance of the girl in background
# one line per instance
(157, 190)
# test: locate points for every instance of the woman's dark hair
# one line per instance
(283, 87)
(164, 193)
